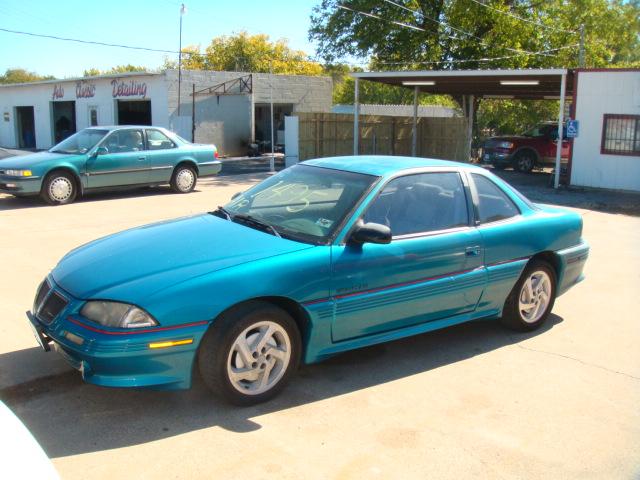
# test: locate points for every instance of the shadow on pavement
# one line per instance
(69, 417)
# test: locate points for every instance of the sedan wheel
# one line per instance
(259, 358)
(184, 179)
(249, 353)
(532, 298)
(58, 188)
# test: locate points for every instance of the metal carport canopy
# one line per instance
(525, 84)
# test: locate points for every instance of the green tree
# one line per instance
(462, 34)
(20, 75)
(94, 72)
(248, 53)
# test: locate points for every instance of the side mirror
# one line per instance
(101, 151)
(370, 233)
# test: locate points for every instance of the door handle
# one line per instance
(472, 251)
(142, 158)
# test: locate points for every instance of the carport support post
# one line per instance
(556, 180)
(471, 100)
(356, 113)
(414, 130)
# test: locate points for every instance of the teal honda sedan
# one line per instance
(106, 158)
(326, 256)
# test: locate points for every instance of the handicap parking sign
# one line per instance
(572, 128)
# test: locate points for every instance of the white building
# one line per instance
(229, 111)
(606, 153)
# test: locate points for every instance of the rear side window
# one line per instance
(493, 203)
(420, 203)
(158, 140)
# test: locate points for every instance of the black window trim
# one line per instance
(619, 116)
(146, 140)
(429, 233)
(476, 201)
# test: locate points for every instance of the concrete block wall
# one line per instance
(227, 120)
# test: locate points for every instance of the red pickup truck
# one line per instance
(534, 148)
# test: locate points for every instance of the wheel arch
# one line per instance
(67, 169)
(293, 308)
(187, 161)
(527, 149)
(552, 258)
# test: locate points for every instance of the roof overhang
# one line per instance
(517, 84)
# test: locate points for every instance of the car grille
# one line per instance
(53, 305)
(43, 291)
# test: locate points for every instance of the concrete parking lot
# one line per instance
(470, 401)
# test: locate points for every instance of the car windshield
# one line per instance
(304, 202)
(80, 142)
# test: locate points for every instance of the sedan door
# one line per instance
(124, 162)
(163, 154)
(432, 269)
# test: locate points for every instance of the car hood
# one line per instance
(32, 160)
(136, 263)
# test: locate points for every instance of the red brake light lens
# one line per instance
(215, 154)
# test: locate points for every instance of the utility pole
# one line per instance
(183, 10)
(272, 162)
(581, 61)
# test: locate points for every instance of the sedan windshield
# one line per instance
(303, 202)
(80, 142)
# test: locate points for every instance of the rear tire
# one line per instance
(530, 302)
(249, 353)
(184, 179)
(59, 188)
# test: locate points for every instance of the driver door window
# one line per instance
(421, 203)
(124, 141)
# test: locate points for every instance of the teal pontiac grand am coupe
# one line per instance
(105, 158)
(326, 256)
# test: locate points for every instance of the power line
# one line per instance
(513, 15)
(358, 12)
(469, 60)
(371, 15)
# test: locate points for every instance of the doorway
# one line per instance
(25, 127)
(134, 112)
(263, 122)
(64, 120)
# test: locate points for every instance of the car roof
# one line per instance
(382, 165)
(116, 127)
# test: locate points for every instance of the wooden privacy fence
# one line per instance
(330, 134)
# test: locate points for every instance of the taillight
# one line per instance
(215, 154)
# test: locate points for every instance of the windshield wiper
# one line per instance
(249, 220)
(223, 211)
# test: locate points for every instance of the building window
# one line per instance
(93, 116)
(621, 135)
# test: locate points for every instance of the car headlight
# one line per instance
(116, 314)
(18, 173)
(505, 145)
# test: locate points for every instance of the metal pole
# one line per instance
(193, 113)
(470, 125)
(556, 181)
(414, 132)
(356, 113)
(581, 61)
(182, 10)
(272, 161)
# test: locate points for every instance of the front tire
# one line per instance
(59, 188)
(249, 353)
(525, 161)
(532, 298)
(184, 179)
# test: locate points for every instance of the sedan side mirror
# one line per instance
(370, 233)
(101, 151)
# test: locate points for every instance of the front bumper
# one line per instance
(119, 357)
(493, 157)
(20, 185)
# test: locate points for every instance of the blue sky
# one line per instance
(147, 23)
